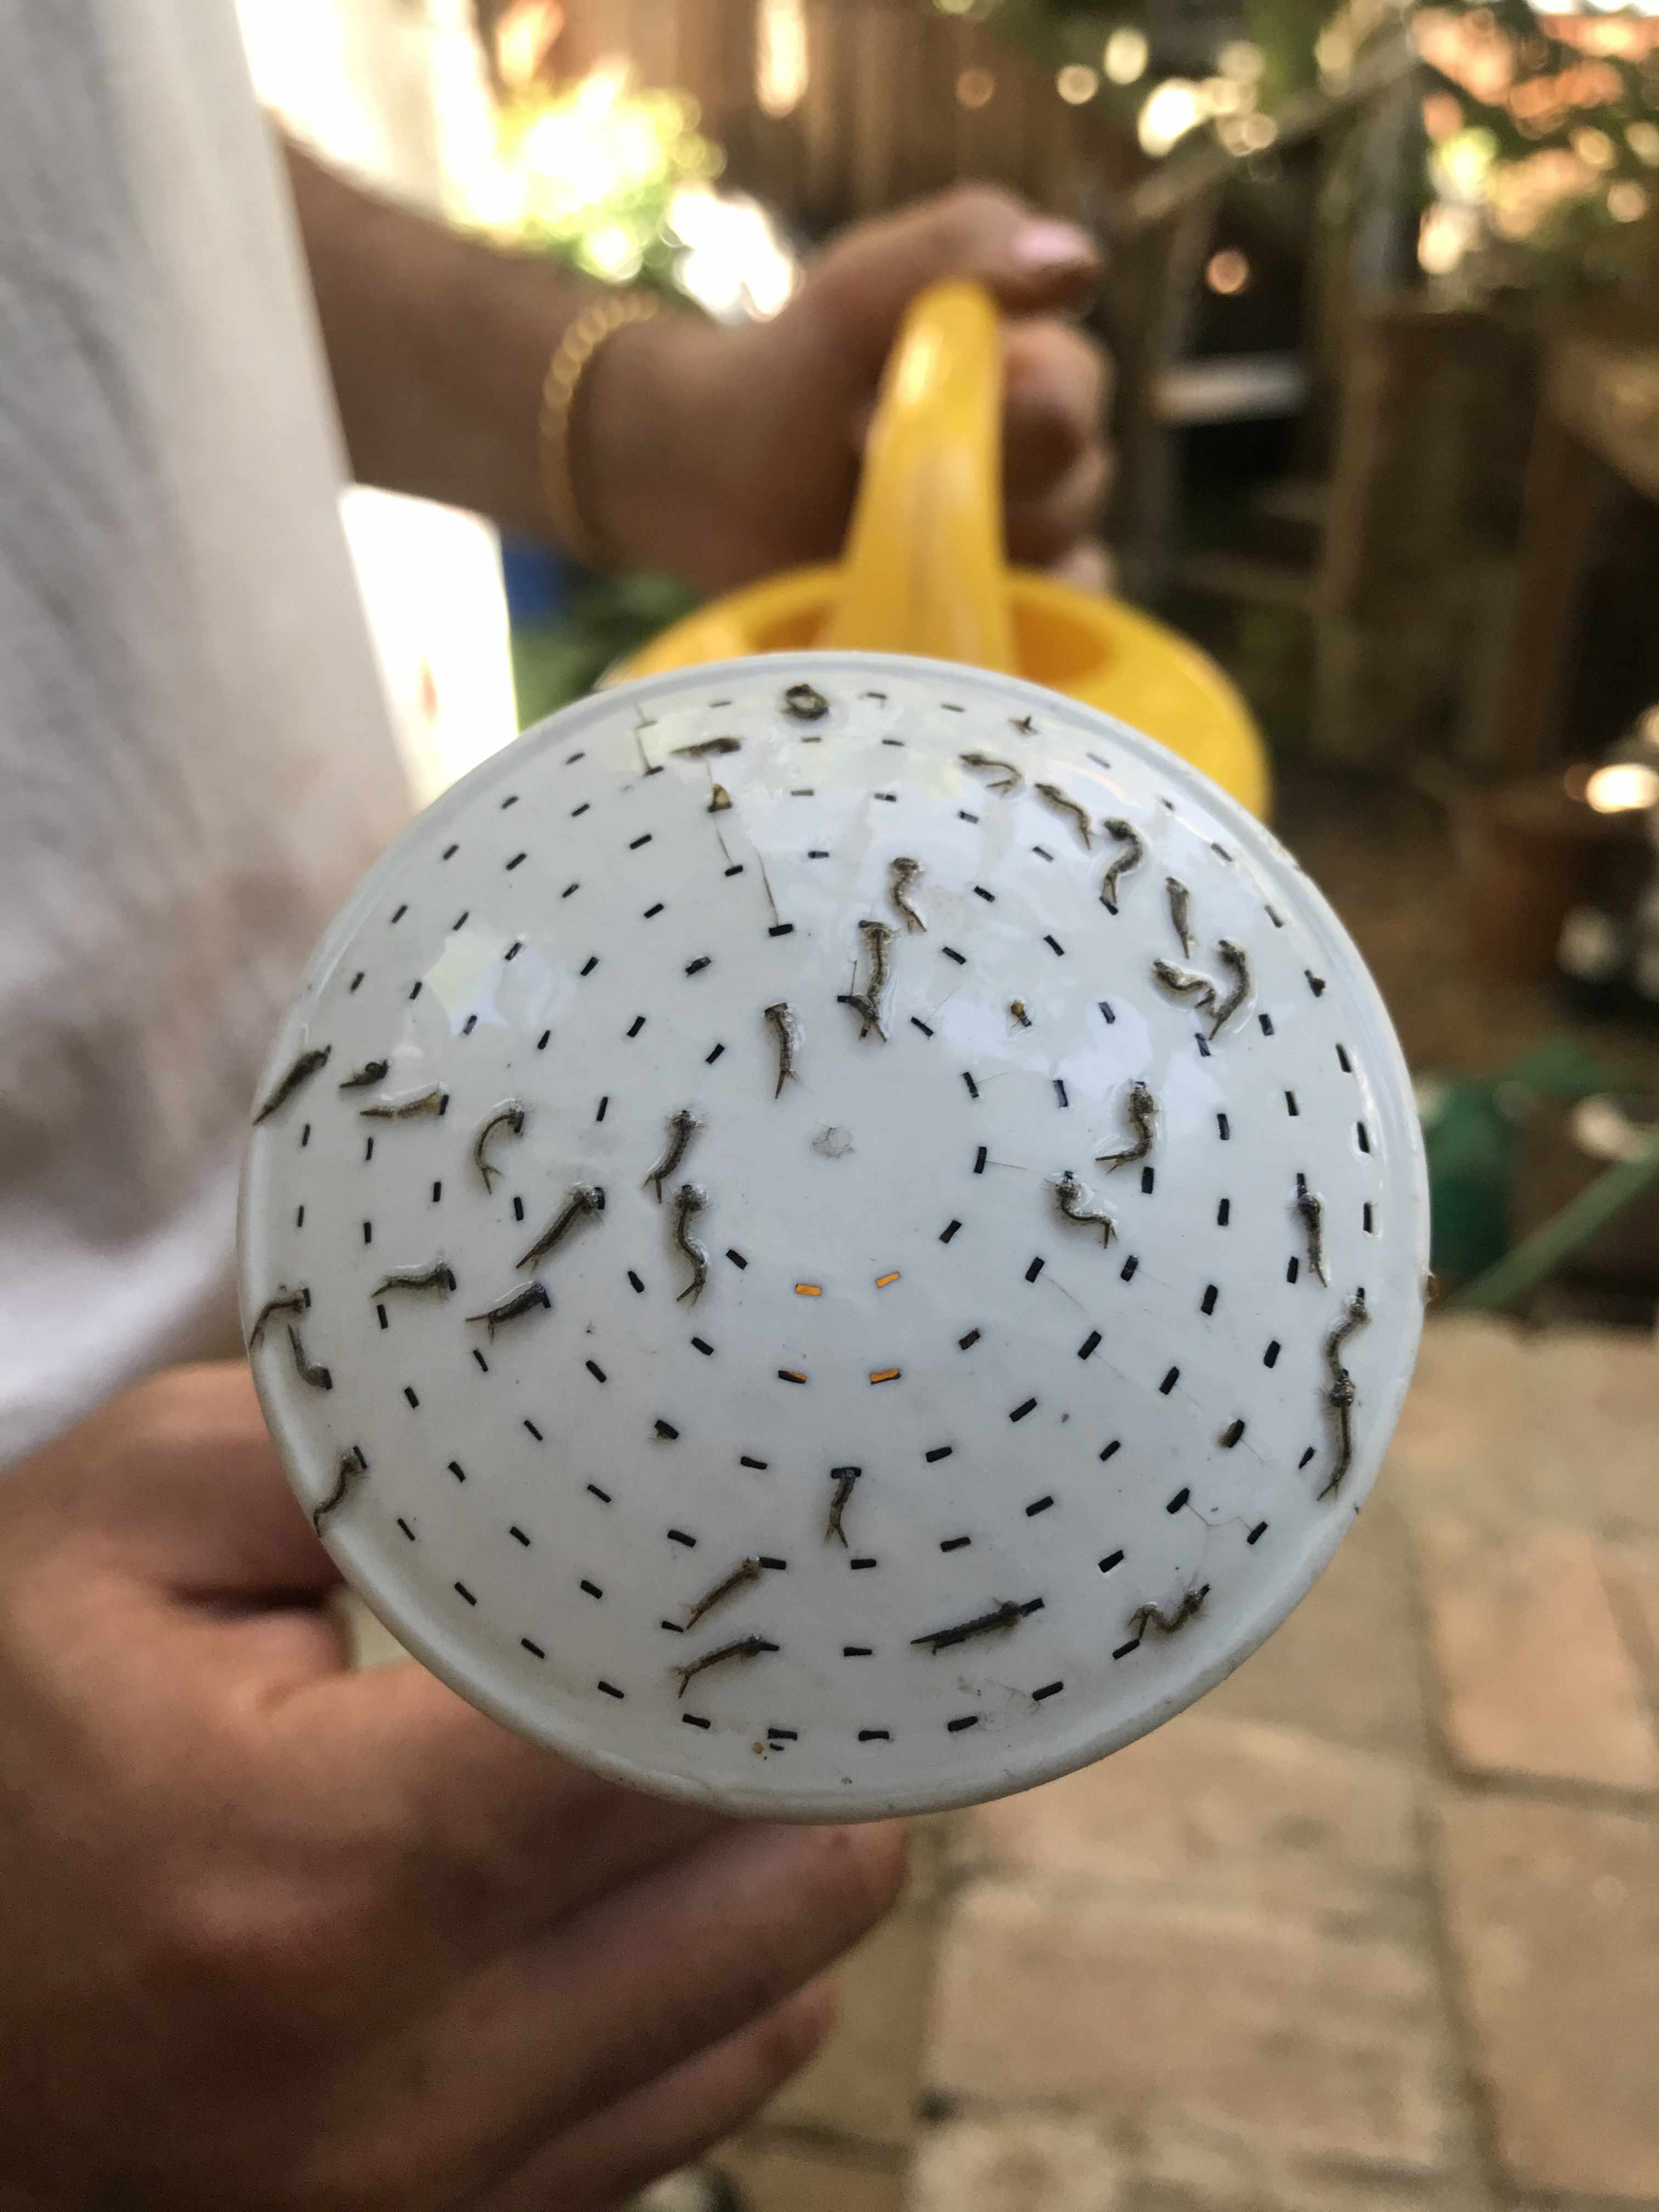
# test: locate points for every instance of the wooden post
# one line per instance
(1570, 494)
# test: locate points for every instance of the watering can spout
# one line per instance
(924, 571)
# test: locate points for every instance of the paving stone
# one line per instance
(1346, 1665)
(1631, 1572)
(1044, 2162)
(1137, 2009)
(1196, 2169)
(1502, 1423)
(1593, 1418)
(1553, 1916)
(1016, 2162)
(1222, 1813)
(1464, 1418)
(772, 2173)
(864, 2080)
(1533, 1676)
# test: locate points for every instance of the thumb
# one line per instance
(1029, 262)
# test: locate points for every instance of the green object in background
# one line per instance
(555, 662)
(1471, 1128)
(1536, 1258)
(1469, 1142)
(590, 172)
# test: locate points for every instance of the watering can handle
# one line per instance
(924, 571)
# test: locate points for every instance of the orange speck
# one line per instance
(809, 1290)
(885, 1375)
(788, 1375)
(881, 1281)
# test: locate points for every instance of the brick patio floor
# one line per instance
(1373, 1928)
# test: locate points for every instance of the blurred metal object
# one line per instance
(1232, 388)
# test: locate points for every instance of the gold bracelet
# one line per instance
(572, 358)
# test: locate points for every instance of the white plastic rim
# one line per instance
(953, 1475)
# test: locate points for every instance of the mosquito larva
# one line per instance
(510, 1117)
(682, 1127)
(1077, 1202)
(877, 937)
(371, 1072)
(406, 1110)
(1233, 957)
(1342, 1395)
(1141, 1109)
(1179, 898)
(510, 1309)
(308, 1371)
(845, 1480)
(806, 703)
(746, 1647)
(1312, 1212)
(352, 1467)
(584, 1199)
(301, 1071)
(1181, 983)
(1063, 803)
(1005, 776)
(689, 1200)
(747, 1571)
(1004, 1615)
(438, 1277)
(787, 1025)
(707, 749)
(1134, 853)
(286, 1301)
(906, 873)
(1152, 1616)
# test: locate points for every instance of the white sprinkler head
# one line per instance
(834, 1235)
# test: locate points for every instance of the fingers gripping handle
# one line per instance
(924, 570)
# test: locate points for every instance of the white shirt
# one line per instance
(195, 757)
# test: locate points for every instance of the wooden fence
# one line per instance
(830, 109)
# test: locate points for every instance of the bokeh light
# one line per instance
(1126, 54)
(1169, 112)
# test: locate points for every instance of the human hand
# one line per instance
(277, 1935)
(725, 455)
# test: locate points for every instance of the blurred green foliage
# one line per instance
(609, 617)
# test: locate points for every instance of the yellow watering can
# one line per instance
(924, 571)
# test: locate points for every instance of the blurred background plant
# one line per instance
(618, 180)
(1543, 136)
